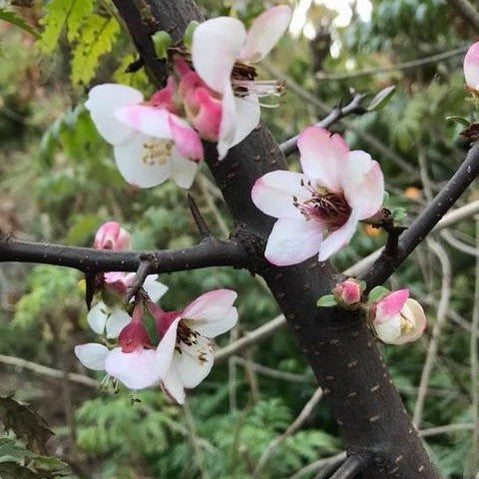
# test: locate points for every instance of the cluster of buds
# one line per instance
(394, 317)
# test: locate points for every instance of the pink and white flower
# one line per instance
(119, 282)
(185, 345)
(471, 67)
(348, 292)
(397, 319)
(151, 143)
(318, 210)
(134, 362)
(111, 235)
(218, 44)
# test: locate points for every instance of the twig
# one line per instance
(440, 319)
(459, 245)
(200, 222)
(385, 265)
(338, 112)
(144, 268)
(320, 464)
(291, 429)
(351, 466)
(397, 67)
(208, 253)
(474, 352)
(467, 12)
(273, 373)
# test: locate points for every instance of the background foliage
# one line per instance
(59, 183)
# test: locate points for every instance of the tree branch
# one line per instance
(210, 252)
(386, 264)
(352, 466)
(338, 112)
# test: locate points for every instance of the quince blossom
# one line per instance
(219, 45)
(318, 210)
(151, 143)
(348, 292)
(134, 362)
(111, 235)
(397, 319)
(185, 345)
(471, 67)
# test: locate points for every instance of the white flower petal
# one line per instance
(293, 240)
(149, 120)
(92, 355)
(97, 317)
(265, 32)
(228, 123)
(154, 288)
(166, 346)
(390, 330)
(116, 322)
(173, 385)
(275, 193)
(248, 113)
(183, 171)
(136, 170)
(211, 306)
(216, 46)
(363, 184)
(211, 329)
(136, 370)
(194, 362)
(338, 239)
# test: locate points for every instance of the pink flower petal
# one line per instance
(293, 240)
(275, 193)
(92, 355)
(338, 239)
(471, 66)
(137, 370)
(391, 305)
(111, 235)
(148, 120)
(265, 32)
(205, 113)
(211, 306)
(363, 184)
(186, 139)
(323, 156)
(216, 46)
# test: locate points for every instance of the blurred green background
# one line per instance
(58, 183)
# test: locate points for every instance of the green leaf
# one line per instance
(458, 119)
(79, 11)
(188, 35)
(162, 41)
(399, 214)
(381, 98)
(53, 22)
(98, 36)
(11, 448)
(13, 18)
(25, 423)
(377, 293)
(327, 301)
(12, 470)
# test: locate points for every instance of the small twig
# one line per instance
(338, 112)
(273, 373)
(200, 222)
(292, 428)
(144, 268)
(440, 319)
(351, 466)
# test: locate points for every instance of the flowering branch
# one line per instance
(386, 264)
(210, 252)
(353, 107)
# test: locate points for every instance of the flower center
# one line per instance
(407, 327)
(185, 335)
(331, 208)
(156, 151)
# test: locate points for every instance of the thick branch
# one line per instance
(386, 264)
(211, 252)
(354, 106)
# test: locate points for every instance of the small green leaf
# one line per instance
(12, 17)
(381, 98)
(458, 119)
(327, 301)
(362, 284)
(377, 293)
(385, 199)
(188, 35)
(399, 214)
(162, 41)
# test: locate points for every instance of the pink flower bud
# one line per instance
(348, 292)
(398, 319)
(134, 334)
(111, 235)
(471, 67)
